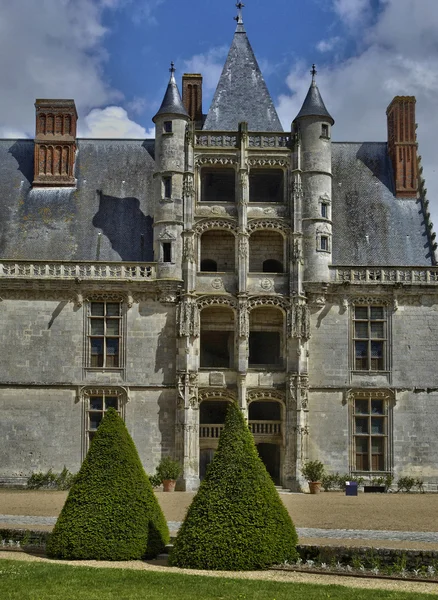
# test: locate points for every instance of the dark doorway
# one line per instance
(270, 455)
(205, 458)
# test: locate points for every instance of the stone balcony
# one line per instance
(268, 429)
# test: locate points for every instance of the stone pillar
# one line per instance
(289, 475)
(187, 430)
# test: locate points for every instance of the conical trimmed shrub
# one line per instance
(111, 512)
(236, 521)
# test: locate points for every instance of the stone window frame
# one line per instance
(167, 127)
(86, 394)
(325, 131)
(107, 299)
(369, 339)
(358, 418)
(323, 240)
(166, 187)
(166, 238)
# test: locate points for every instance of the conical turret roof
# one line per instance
(313, 105)
(241, 94)
(172, 103)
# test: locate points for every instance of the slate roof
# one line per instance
(313, 105)
(172, 103)
(114, 196)
(241, 94)
(370, 225)
(63, 224)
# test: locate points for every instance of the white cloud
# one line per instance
(50, 49)
(357, 91)
(352, 12)
(329, 44)
(210, 64)
(112, 122)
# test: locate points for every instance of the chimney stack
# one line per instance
(192, 96)
(402, 145)
(55, 143)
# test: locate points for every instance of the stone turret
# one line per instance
(313, 128)
(170, 124)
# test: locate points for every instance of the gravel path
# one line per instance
(303, 532)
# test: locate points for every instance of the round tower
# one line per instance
(313, 126)
(170, 135)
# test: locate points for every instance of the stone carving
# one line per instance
(188, 318)
(167, 292)
(297, 251)
(43, 270)
(369, 300)
(214, 159)
(187, 390)
(299, 320)
(216, 140)
(243, 319)
(299, 390)
(216, 301)
(257, 394)
(207, 224)
(277, 161)
(189, 249)
(166, 235)
(188, 186)
(243, 245)
(387, 275)
(216, 394)
(267, 284)
(256, 301)
(269, 224)
(217, 283)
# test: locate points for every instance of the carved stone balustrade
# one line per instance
(385, 275)
(58, 270)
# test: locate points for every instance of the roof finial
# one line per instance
(172, 71)
(313, 72)
(239, 17)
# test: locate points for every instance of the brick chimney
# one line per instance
(402, 145)
(55, 143)
(192, 95)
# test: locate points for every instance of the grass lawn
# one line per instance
(37, 581)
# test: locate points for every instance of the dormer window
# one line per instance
(167, 127)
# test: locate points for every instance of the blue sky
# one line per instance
(112, 57)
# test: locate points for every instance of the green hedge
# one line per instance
(236, 520)
(111, 512)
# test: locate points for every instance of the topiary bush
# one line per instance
(111, 512)
(236, 521)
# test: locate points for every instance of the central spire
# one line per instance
(241, 94)
(239, 17)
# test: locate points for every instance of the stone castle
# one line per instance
(226, 260)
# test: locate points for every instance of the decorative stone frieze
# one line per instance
(210, 224)
(268, 224)
(277, 161)
(266, 394)
(214, 159)
(216, 394)
(188, 318)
